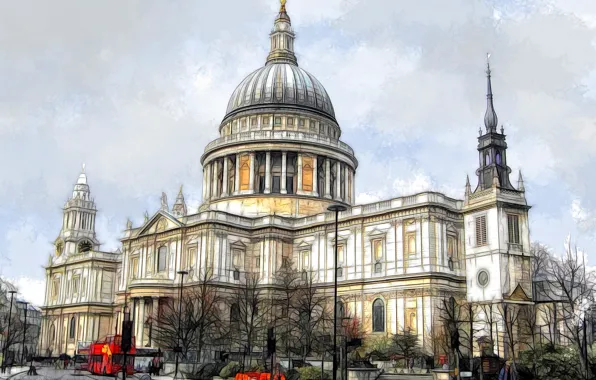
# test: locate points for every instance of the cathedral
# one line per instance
(268, 179)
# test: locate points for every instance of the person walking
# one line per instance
(507, 372)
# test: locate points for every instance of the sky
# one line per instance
(135, 90)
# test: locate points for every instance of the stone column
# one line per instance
(338, 181)
(214, 181)
(207, 171)
(251, 184)
(299, 167)
(140, 338)
(346, 183)
(224, 190)
(327, 178)
(315, 176)
(267, 172)
(284, 172)
(237, 175)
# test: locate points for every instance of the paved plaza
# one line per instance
(20, 373)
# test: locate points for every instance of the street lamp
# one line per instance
(336, 209)
(178, 348)
(12, 293)
(24, 333)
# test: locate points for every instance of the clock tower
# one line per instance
(497, 235)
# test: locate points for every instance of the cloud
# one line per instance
(140, 88)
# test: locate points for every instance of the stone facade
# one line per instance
(267, 183)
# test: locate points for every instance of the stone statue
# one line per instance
(146, 216)
(128, 224)
(164, 201)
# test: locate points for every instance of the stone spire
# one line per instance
(282, 39)
(490, 117)
(520, 183)
(495, 177)
(179, 208)
(81, 188)
(146, 216)
(468, 187)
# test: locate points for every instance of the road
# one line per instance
(51, 373)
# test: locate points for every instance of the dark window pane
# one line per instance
(276, 184)
(290, 184)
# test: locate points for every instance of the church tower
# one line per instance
(497, 235)
(78, 223)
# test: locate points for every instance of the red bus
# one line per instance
(106, 356)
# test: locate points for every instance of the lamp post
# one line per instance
(12, 293)
(178, 348)
(24, 333)
(336, 209)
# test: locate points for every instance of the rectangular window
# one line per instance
(253, 122)
(278, 121)
(411, 243)
(244, 172)
(451, 246)
(481, 235)
(107, 285)
(411, 315)
(301, 123)
(340, 253)
(258, 264)
(377, 249)
(307, 173)
(55, 288)
(513, 227)
(75, 284)
(134, 267)
(265, 121)
(290, 121)
(236, 254)
(161, 259)
(305, 259)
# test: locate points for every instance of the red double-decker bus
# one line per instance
(106, 356)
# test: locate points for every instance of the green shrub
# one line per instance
(312, 373)
(257, 368)
(230, 370)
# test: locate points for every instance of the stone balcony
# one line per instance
(279, 136)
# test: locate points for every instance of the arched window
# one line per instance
(84, 246)
(161, 258)
(73, 328)
(231, 174)
(378, 315)
(498, 158)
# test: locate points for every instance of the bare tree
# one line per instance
(199, 316)
(540, 257)
(250, 312)
(310, 309)
(530, 332)
(509, 314)
(571, 286)
(287, 280)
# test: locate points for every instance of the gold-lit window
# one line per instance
(307, 173)
(377, 249)
(290, 121)
(244, 172)
(55, 287)
(305, 259)
(75, 284)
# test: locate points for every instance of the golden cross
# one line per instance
(283, 5)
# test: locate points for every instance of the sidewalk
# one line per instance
(13, 371)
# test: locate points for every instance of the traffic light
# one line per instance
(126, 335)
(271, 341)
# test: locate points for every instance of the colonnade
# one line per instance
(235, 175)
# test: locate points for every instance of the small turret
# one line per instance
(179, 209)
(164, 202)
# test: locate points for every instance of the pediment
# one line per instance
(304, 245)
(160, 222)
(377, 233)
(238, 245)
(519, 294)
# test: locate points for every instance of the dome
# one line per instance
(281, 84)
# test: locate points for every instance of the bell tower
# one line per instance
(497, 235)
(77, 234)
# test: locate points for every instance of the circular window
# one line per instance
(483, 278)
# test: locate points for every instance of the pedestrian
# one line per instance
(507, 372)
